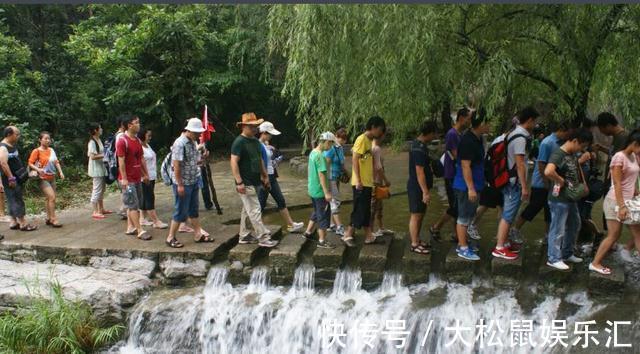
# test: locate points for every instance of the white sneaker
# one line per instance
(378, 233)
(473, 233)
(626, 256)
(574, 259)
(515, 237)
(560, 265)
(387, 232)
(296, 227)
(340, 230)
(266, 241)
(145, 222)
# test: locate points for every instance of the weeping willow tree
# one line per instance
(411, 62)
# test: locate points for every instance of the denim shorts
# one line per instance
(512, 198)
(466, 208)
(321, 213)
(186, 206)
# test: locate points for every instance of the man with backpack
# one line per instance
(132, 172)
(185, 179)
(110, 160)
(515, 189)
(540, 184)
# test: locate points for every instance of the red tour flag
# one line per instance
(206, 135)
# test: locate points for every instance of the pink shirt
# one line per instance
(630, 170)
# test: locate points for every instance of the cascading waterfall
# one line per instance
(258, 318)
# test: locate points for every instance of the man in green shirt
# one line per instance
(319, 191)
(249, 172)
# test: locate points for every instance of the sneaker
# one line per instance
(296, 227)
(340, 230)
(348, 241)
(504, 253)
(387, 232)
(307, 235)
(326, 244)
(474, 246)
(378, 233)
(248, 239)
(473, 233)
(574, 259)
(513, 247)
(467, 253)
(625, 254)
(266, 241)
(160, 225)
(515, 236)
(332, 228)
(145, 222)
(560, 265)
(435, 234)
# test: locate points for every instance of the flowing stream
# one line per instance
(259, 318)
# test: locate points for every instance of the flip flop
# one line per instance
(603, 270)
(52, 224)
(174, 243)
(419, 249)
(204, 238)
(107, 212)
(98, 217)
(132, 232)
(145, 236)
(28, 227)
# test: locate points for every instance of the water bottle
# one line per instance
(556, 190)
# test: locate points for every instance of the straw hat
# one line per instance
(250, 119)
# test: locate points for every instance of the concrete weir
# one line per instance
(244, 257)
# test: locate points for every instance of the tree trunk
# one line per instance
(445, 115)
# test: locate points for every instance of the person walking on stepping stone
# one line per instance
(249, 171)
(362, 182)
(186, 189)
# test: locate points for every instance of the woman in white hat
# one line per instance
(267, 130)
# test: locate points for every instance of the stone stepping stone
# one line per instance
(612, 284)
(415, 267)
(506, 273)
(328, 261)
(243, 257)
(459, 270)
(284, 259)
(372, 260)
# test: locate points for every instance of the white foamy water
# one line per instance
(259, 318)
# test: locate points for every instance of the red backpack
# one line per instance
(496, 165)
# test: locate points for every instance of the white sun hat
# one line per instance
(267, 127)
(195, 125)
(328, 136)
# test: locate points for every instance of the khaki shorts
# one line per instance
(609, 209)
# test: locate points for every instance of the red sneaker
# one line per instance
(504, 253)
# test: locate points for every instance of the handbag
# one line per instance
(344, 178)
(382, 192)
(575, 192)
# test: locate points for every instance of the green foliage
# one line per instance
(54, 325)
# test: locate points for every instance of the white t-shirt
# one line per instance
(269, 166)
(150, 160)
(518, 146)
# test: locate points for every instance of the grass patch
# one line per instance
(54, 325)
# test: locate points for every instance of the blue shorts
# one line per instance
(466, 209)
(188, 205)
(512, 194)
(321, 213)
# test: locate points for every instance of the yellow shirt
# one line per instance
(362, 146)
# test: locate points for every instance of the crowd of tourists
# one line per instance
(477, 176)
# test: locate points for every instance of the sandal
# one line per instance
(603, 270)
(132, 232)
(107, 212)
(15, 227)
(174, 243)
(419, 249)
(98, 216)
(28, 227)
(145, 236)
(204, 238)
(185, 229)
(53, 224)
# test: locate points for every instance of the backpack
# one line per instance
(110, 159)
(496, 164)
(166, 169)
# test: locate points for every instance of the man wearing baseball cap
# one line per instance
(249, 171)
(184, 160)
(267, 130)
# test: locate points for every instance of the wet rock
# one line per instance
(459, 270)
(283, 259)
(178, 268)
(506, 273)
(144, 267)
(611, 284)
(106, 291)
(236, 266)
